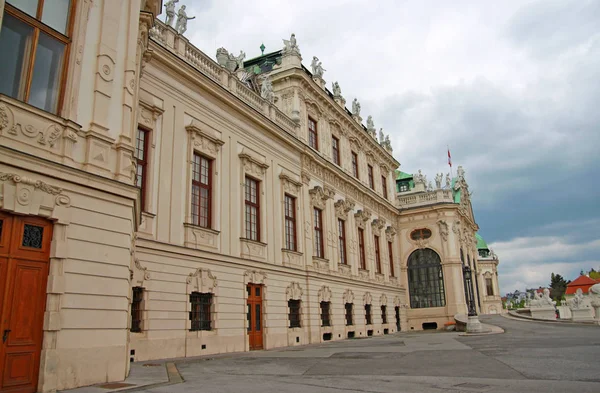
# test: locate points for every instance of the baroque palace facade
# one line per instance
(155, 203)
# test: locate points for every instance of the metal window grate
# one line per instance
(294, 306)
(136, 309)
(368, 314)
(325, 313)
(200, 314)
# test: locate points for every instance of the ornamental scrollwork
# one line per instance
(342, 207)
(294, 291)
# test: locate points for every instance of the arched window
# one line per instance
(425, 279)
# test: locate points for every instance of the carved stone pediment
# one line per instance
(367, 298)
(324, 294)
(254, 277)
(348, 296)
(362, 216)
(201, 280)
(294, 291)
(319, 197)
(138, 273)
(390, 232)
(290, 185)
(203, 141)
(383, 300)
(378, 224)
(252, 165)
(342, 207)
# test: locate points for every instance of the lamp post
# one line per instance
(473, 324)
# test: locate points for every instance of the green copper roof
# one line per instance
(481, 244)
(403, 175)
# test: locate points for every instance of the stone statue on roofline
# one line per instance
(337, 91)
(182, 18)
(240, 59)
(381, 137)
(356, 108)
(170, 11)
(313, 64)
(438, 180)
(388, 143)
(266, 90)
(320, 70)
(448, 181)
(370, 125)
(291, 46)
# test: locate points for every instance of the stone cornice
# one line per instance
(346, 184)
(343, 118)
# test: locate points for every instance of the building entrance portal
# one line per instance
(24, 253)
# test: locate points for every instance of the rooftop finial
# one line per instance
(262, 49)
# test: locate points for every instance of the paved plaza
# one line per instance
(529, 357)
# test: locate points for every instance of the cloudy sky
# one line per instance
(513, 87)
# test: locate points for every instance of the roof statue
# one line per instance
(182, 18)
(320, 70)
(290, 46)
(356, 108)
(438, 181)
(460, 172)
(240, 59)
(337, 91)
(381, 136)
(418, 177)
(370, 125)
(387, 144)
(313, 64)
(266, 90)
(170, 11)
(448, 181)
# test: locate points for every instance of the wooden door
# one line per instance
(24, 252)
(254, 315)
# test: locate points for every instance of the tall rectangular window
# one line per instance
(141, 158)
(384, 314)
(335, 147)
(368, 320)
(318, 230)
(202, 191)
(361, 248)
(200, 314)
(34, 42)
(313, 138)
(384, 186)
(489, 287)
(325, 313)
(342, 240)
(136, 309)
(355, 165)
(290, 222)
(370, 173)
(294, 315)
(377, 254)
(252, 204)
(391, 257)
(348, 309)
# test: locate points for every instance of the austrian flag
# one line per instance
(449, 159)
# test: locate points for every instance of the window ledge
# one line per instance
(292, 252)
(252, 249)
(200, 238)
(321, 264)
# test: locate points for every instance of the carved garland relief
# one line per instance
(294, 291)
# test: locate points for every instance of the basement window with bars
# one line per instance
(294, 306)
(136, 309)
(368, 314)
(348, 308)
(325, 313)
(200, 314)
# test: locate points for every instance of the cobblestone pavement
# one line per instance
(529, 357)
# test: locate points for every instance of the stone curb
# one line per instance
(172, 372)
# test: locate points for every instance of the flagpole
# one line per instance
(450, 162)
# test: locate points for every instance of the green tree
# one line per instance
(558, 286)
(594, 274)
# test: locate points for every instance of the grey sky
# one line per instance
(513, 87)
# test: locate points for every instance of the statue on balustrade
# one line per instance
(170, 11)
(438, 180)
(182, 18)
